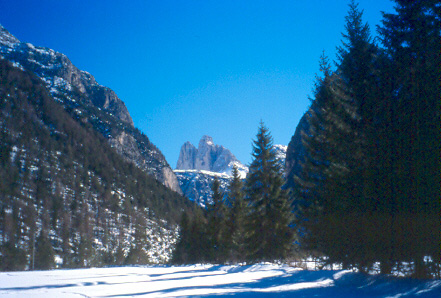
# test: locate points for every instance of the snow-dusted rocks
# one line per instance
(198, 167)
(208, 157)
(92, 103)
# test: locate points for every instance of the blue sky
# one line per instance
(190, 68)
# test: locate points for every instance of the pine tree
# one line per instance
(412, 41)
(44, 252)
(217, 224)
(236, 222)
(269, 215)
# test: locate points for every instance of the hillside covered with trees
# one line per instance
(65, 192)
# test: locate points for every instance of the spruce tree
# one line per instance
(270, 235)
(236, 222)
(44, 253)
(217, 224)
(412, 41)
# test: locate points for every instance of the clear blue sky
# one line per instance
(189, 68)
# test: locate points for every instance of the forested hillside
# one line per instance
(66, 193)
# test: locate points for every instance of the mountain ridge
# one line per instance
(90, 102)
(66, 193)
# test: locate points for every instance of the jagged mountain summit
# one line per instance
(198, 167)
(89, 102)
(208, 157)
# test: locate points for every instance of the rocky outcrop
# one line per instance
(187, 157)
(61, 75)
(90, 103)
(208, 157)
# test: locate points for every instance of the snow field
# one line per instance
(261, 280)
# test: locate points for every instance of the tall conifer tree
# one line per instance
(269, 217)
(217, 224)
(235, 226)
(412, 40)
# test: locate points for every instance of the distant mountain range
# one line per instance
(197, 168)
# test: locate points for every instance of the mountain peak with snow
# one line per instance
(208, 157)
(6, 38)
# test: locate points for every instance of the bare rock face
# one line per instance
(90, 103)
(187, 157)
(61, 75)
(208, 157)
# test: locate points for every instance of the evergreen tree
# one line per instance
(193, 245)
(217, 224)
(325, 189)
(137, 253)
(236, 222)
(269, 216)
(44, 252)
(412, 41)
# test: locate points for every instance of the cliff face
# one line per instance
(90, 103)
(208, 157)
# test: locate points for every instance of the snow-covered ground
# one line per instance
(262, 280)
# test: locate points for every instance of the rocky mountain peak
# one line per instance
(61, 76)
(89, 102)
(208, 157)
(7, 38)
(206, 141)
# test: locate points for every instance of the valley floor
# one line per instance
(262, 280)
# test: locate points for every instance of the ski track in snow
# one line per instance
(261, 280)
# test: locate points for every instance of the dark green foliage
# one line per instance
(250, 223)
(236, 222)
(413, 44)
(217, 226)
(269, 235)
(369, 189)
(13, 258)
(193, 245)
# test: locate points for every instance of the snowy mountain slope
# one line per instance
(260, 280)
(196, 184)
(89, 102)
